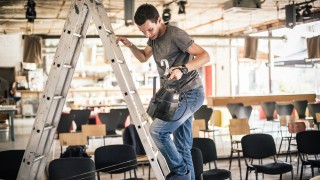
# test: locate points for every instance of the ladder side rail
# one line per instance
(108, 39)
(63, 87)
(29, 168)
(141, 118)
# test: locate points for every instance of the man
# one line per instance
(171, 44)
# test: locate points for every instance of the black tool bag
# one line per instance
(164, 104)
(75, 151)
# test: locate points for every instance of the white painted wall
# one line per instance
(11, 51)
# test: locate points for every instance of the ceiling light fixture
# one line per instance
(182, 7)
(166, 16)
(31, 13)
(306, 13)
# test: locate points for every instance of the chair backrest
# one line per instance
(207, 147)
(130, 137)
(204, 112)
(115, 159)
(258, 146)
(198, 125)
(284, 109)
(72, 168)
(93, 130)
(233, 108)
(296, 127)
(313, 109)
(300, 106)
(243, 112)
(239, 127)
(308, 142)
(72, 139)
(268, 109)
(197, 162)
(110, 121)
(65, 123)
(10, 163)
(81, 117)
(122, 114)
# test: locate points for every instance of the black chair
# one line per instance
(204, 112)
(261, 146)
(300, 106)
(65, 123)
(198, 160)
(130, 137)
(10, 163)
(233, 109)
(72, 168)
(115, 159)
(81, 116)
(111, 123)
(284, 112)
(308, 145)
(122, 114)
(314, 108)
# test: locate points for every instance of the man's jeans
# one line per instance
(177, 152)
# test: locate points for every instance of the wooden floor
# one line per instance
(23, 128)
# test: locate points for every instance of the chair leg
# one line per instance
(98, 175)
(301, 173)
(231, 155)
(239, 165)
(292, 174)
(312, 171)
(247, 173)
(256, 175)
(279, 147)
(280, 177)
(135, 173)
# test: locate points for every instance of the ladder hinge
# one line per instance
(47, 127)
(67, 66)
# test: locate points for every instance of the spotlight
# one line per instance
(182, 8)
(306, 13)
(166, 16)
(298, 9)
(31, 12)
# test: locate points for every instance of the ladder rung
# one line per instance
(67, 66)
(38, 158)
(76, 34)
(57, 97)
(47, 127)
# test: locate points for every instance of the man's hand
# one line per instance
(175, 73)
(125, 41)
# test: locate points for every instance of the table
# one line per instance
(11, 113)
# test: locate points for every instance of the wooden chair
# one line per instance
(72, 139)
(197, 126)
(237, 129)
(92, 131)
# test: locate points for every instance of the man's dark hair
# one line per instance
(146, 12)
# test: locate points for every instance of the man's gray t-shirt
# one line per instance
(172, 46)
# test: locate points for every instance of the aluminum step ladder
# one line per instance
(51, 104)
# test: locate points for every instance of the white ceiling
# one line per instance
(203, 17)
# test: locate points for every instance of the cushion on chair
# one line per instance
(216, 174)
(274, 168)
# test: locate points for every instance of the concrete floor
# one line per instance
(23, 128)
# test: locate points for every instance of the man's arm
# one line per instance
(141, 54)
(201, 58)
